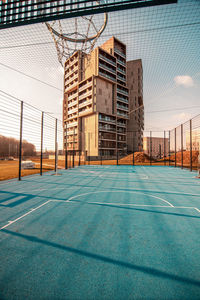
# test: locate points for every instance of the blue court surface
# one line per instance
(101, 232)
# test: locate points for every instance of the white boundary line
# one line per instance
(133, 192)
(29, 212)
(108, 204)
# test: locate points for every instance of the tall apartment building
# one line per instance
(135, 124)
(96, 101)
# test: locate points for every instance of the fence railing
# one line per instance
(185, 144)
(32, 142)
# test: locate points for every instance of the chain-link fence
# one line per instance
(31, 142)
(185, 144)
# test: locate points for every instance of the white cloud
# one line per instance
(184, 80)
(182, 117)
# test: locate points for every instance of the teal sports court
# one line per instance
(101, 232)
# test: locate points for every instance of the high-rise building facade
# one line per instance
(135, 124)
(96, 101)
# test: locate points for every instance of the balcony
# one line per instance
(72, 79)
(122, 107)
(123, 78)
(107, 60)
(67, 74)
(121, 62)
(107, 68)
(71, 111)
(121, 71)
(106, 128)
(87, 102)
(89, 93)
(107, 76)
(87, 110)
(81, 88)
(72, 103)
(72, 124)
(119, 113)
(119, 52)
(122, 91)
(122, 99)
(120, 124)
(72, 132)
(106, 119)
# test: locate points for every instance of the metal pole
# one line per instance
(181, 146)
(191, 145)
(66, 160)
(89, 148)
(150, 148)
(175, 147)
(73, 148)
(20, 141)
(101, 157)
(56, 121)
(133, 151)
(164, 149)
(169, 148)
(79, 160)
(41, 149)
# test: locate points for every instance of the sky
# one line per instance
(166, 38)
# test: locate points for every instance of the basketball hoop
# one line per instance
(83, 37)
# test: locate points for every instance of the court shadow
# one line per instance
(14, 199)
(146, 270)
(138, 209)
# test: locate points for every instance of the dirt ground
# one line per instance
(10, 169)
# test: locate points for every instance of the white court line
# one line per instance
(33, 209)
(108, 204)
(133, 192)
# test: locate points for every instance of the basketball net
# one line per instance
(68, 43)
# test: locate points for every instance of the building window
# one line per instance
(100, 91)
(106, 102)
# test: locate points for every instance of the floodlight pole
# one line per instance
(169, 148)
(20, 141)
(150, 147)
(41, 149)
(73, 148)
(164, 149)
(191, 145)
(56, 124)
(181, 146)
(175, 147)
(133, 149)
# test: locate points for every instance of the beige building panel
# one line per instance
(104, 96)
(90, 134)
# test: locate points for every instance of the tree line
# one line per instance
(10, 147)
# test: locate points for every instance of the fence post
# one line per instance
(79, 159)
(56, 123)
(73, 148)
(41, 149)
(150, 148)
(164, 149)
(133, 152)
(169, 148)
(175, 147)
(20, 141)
(88, 148)
(101, 156)
(191, 145)
(66, 160)
(181, 146)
